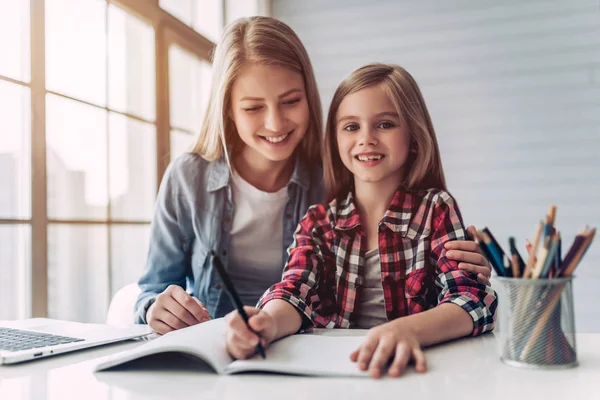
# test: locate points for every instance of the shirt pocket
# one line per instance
(419, 291)
(415, 284)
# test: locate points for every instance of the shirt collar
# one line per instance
(301, 174)
(400, 212)
(346, 213)
(218, 175)
(397, 217)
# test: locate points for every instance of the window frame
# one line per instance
(168, 30)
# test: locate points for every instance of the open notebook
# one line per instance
(303, 354)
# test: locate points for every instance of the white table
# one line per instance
(464, 369)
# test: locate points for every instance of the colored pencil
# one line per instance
(570, 268)
(532, 251)
(497, 249)
(517, 262)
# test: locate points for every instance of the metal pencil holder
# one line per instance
(537, 324)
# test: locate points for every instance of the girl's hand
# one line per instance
(175, 309)
(240, 341)
(470, 257)
(391, 340)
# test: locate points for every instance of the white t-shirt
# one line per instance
(256, 239)
(371, 307)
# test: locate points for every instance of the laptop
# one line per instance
(34, 338)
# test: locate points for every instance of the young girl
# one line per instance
(374, 257)
(255, 170)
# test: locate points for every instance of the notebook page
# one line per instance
(315, 355)
(205, 341)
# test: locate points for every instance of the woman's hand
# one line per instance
(240, 341)
(470, 257)
(175, 309)
(392, 340)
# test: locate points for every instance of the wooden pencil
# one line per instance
(552, 214)
(542, 256)
(569, 269)
(533, 250)
(486, 253)
(515, 258)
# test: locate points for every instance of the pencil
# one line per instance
(557, 259)
(496, 258)
(545, 271)
(552, 214)
(517, 262)
(542, 256)
(505, 267)
(570, 268)
(532, 251)
(486, 253)
(548, 231)
(236, 299)
(575, 246)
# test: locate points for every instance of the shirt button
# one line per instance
(227, 219)
(289, 216)
(218, 286)
(224, 252)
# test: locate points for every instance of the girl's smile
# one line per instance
(369, 159)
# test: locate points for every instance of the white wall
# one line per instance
(514, 92)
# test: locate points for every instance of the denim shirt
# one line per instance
(193, 215)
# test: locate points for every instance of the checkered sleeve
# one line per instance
(457, 286)
(306, 282)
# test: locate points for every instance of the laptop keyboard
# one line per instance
(17, 340)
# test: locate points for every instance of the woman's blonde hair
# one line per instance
(424, 165)
(260, 40)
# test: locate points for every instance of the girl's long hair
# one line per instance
(424, 169)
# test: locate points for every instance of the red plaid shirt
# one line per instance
(325, 269)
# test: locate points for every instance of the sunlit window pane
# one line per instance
(78, 272)
(189, 82)
(15, 264)
(76, 49)
(76, 159)
(240, 8)
(129, 249)
(208, 18)
(131, 64)
(132, 162)
(14, 39)
(181, 142)
(180, 9)
(15, 159)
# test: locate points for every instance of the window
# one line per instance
(76, 49)
(14, 40)
(15, 150)
(189, 83)
(206, 16)
(83, 141)
(15, 160)
(14, 275)
(100, 151)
